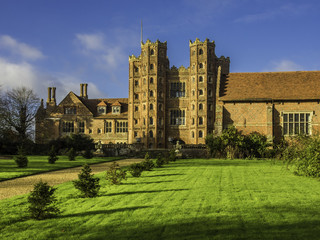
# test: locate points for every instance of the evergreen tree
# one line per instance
(72, 154)
(87, 184)
(42, 201)
(52, 155)
(21, 160)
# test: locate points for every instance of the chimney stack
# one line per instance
(85, 94)
(81, 89)
(53, 99)
(49, 95)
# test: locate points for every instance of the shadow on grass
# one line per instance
(88, 213)
(164, 175)
(139, 192)
(209, 228)
(145, 182)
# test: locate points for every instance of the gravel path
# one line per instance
(25, 185)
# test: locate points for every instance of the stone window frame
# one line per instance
(201, 78)
(68, 126)
(107, 126)
(81, 127)
(177, 89)
(136, 83)
(200, 51)
(294, 121)
(200, 134)
(151, 120)
(121, 126)
(151, 80)
(177, 117)
(151, 52)
(200, 120)
(200, 106)
(151, 106)
(70, 110)
(201, 92)
(151, 134)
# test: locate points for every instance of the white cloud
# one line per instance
(108, 54)
(19, 48)
(284, 66)
(14, 75)
(91, 41)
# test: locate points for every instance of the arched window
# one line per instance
(136, 96)
(151, 133)
(200, 65)
(135, 121)
(151, 66)
(151, 80)
(200, 92)
(200, 120)
(192, 134)
(151, 106)
(151, 52)
(151, 121)
(193, 92)
(136, 83)
(151, 93)
(192, 121)
(200, 51)
(200, 134)
(193, 107)
(200, 106)
(200, 79)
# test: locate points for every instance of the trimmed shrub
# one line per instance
(303, 154)
(21, 159)
(52, 158)
(136, 169)
(160, 161)
(87, 153)
(42, 201)
(147, 163)
(72, 154)
(256, 145)
(172, 155)
(215, 145)
(87, 184)
(115, 175)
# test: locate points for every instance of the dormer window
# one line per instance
(102, 110)
(116, 109)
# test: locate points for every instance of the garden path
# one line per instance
(25, 185)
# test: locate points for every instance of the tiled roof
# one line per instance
(301, 85)
(92, 104)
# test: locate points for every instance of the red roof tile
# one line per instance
(301, 85)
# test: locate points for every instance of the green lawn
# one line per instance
(188, 199)
(37, 164)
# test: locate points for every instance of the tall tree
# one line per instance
(19, 107)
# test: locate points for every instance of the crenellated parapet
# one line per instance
(197, 41)
(133, 58)
(157, 42)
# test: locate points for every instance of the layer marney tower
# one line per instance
(203, 72)
(147, 95)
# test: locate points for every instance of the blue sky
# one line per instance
(64, 43)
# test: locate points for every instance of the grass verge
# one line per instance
(39, 164)
(187, 199)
